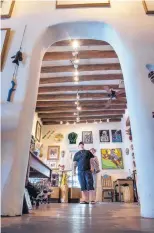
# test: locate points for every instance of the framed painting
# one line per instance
(104, 135)
(53, 165)
(82, 3)
(116, 136)
(148, 6)
(112, 158)
(5, 33)
(53, 152)
(38, 131)
(6, 7)
(87, 137)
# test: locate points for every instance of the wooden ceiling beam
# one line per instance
(93, 67)
(78, 88)
(82, 42)
(83, 103)
(82, 114)
(82, 78)
(90, 121)
(72, 108)
(58, 119)
(86, 54)
(65, 97)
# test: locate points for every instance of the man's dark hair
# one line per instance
(81, 143)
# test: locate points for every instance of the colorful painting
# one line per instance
(38, 131)
(82, 3)
(104, 135)
(53, 152)
(112, 158)
(87, 137)
(116, 136)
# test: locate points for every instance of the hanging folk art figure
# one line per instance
(72, 138)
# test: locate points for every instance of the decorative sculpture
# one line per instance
(150, 68)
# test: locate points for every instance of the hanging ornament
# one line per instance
(58, 137)
(17, 58)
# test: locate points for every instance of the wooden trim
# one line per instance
(38, 123)
(4, 49)
(73, 118)
(147, 11)
(64, 6)
(10, 12)
(82, 121)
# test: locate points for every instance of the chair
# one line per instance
(107, 188)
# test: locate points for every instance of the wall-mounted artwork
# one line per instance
(104, 135)
(148, 6)
(38, 131)
(112, 158)
(82, 3)
(53, 165)
(6, 7)
(87, 137)
(53, 152)
(58, 137)
(72, 137)
(5, 33)
(116, 136)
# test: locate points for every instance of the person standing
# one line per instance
(94, 165)
(82, 161)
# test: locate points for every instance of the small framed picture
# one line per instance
(38, 131)
(104, 135)
(53, 152)
(6, 8)
(148, 6)
(53, 165)
(87, 137)
(116, 136)
(5, 34)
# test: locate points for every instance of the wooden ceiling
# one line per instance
(98, 67)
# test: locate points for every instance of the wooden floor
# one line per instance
(76, 218)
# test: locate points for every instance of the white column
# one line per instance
(140, 97)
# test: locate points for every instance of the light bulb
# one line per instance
(75, 113)
(78, 108)
(74, 123)
(75, 44)
(76, 79)
(95, 122)
(77, 96)
(67, 123)
(76, 103)
(108, 120)
(76, 61)
(76, 73)
(86, 122)
(61, 122)
(78, 119)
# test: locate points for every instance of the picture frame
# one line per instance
(87, 137)
(53, 165)
(38, 131)
(5, 34)
(112, 158)
(6, 8)
(61, 4)
(104, 136)
(53, 153)
(148, 7)
(116, 136)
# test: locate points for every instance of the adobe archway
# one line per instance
(133, 63)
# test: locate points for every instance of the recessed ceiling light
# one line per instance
(75, 44)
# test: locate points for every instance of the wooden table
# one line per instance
(121, 182)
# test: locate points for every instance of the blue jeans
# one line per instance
(86, 180)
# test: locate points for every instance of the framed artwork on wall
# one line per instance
(148, 6)
(38, 131)
(53, 165)
(87, 137)
(112, 158)
(116, 135)
(53, 152)
(6, 7)
(5, 33)
(104, 135)
(82, 3)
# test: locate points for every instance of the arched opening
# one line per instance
(77, 30)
